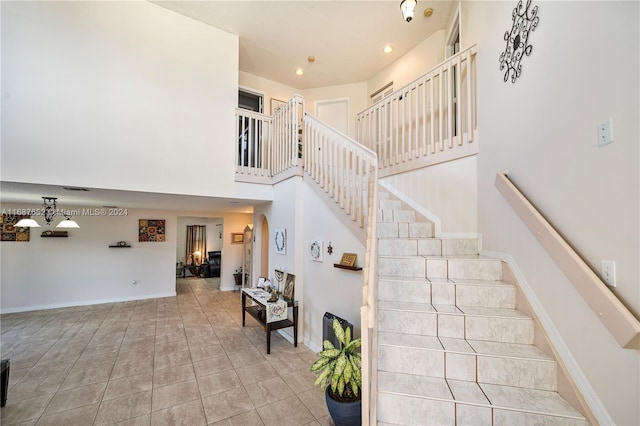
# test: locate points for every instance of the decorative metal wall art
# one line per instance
(151, 230)
(525, 20)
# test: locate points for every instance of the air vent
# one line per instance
(75, 188)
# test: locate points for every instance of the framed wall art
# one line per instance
(12, 233)
(237, 238)
(289, 287)
(276, 104)
(151, 230)
(316, 250)
(280, 240)
(348, 259)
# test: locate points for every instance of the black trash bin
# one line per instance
(4, 381)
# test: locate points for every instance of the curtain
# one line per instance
(196, 242)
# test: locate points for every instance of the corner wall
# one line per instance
(103, 93)
(583, 69)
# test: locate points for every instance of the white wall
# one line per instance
(411, 65)
(82, 269)
(101, 94)
(448, 190)
(320, 287)
(583, 69)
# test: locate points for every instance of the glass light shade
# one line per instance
(408, 8)
(27, 223)
(68, 223)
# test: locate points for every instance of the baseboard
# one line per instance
(86, 303)
(315, 348)
(580, 380)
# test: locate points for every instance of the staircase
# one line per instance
(452, 348)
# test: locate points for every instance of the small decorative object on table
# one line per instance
(279, 275)
(289, 285)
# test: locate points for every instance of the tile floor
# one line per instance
(182, 360)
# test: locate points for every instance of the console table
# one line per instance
(259, 312)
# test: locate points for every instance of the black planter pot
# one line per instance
(344, 413)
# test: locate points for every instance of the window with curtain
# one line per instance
(196, 244)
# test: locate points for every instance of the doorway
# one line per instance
(264, 248)
(249, 129)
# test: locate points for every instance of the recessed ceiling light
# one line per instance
(299, 71)
(311, 59)
(428, 12)
(387, 49)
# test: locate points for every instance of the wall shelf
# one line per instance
(54, 234)
(348, 268)
(119, 246)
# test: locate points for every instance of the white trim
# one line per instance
(315, 348)
(583, 385)
(87, 302)
(452, 30)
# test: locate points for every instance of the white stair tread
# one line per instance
(451, 309)
(450, 344)
(491, 312)
(496, 396)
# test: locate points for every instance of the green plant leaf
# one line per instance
(341, 386)
(353, 345)
(329, 353)
(347, 336)
(320, 362)
(348, 372)
(323, 376)
(334, 383)
(354, 388)
(339, 332)
(327, 345)
(340, 365)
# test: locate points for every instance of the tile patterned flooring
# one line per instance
(183, 360)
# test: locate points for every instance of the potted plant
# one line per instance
(340, 377)
(238, 276)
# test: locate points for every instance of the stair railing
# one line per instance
(615, 316)
(431, 120)
(348, 173)
(269, 145)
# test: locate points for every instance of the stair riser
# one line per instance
(526, 373)
(390, 215)
(459, 326)
(386, 204)
(426, 247)
(406, 410)
(437, 268)
(491, 296)
(405, 230)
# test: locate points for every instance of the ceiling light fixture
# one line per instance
(49, 212)
(311, 59)
(387, 49)
(428, 12)
(299, 71)
(408, 8)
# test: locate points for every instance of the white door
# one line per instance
(334, 112)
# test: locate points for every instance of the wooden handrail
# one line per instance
(615, 316)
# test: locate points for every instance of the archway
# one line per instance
(264, 248)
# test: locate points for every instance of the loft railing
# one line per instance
(348, 173)
(268, 145)
(429, 121)
(615, 316)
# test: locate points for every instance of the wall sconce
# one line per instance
(408, 8)
(49, 205)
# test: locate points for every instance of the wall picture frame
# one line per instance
(276, 104)
(280, 240)
(237, 238)
(348, 259)
(316, 250)
(289, 288)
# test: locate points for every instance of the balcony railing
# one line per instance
(429, 121)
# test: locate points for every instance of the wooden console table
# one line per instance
(259, 312)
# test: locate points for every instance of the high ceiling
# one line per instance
(276, 37)
(345, 37)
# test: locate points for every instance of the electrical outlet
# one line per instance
(609, 272)
(605, 133)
